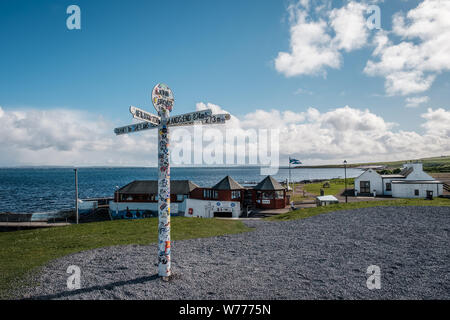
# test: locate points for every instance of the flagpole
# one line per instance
(290, 173)
(293, 186)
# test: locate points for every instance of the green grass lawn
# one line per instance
(309, 212)
(336, 186)
(435, 164)
(298, 195)
(23, 251)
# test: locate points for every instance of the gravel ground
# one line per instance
(322, 257)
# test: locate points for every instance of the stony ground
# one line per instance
(322, 257)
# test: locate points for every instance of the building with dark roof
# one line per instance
(226, 189)
(139, 198)
(270, 194)
(147, 190)
(227, 198)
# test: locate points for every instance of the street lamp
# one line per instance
(76, 194)
(345, 179)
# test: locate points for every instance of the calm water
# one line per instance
(50, 190)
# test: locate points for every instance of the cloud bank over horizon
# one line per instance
(71, 138)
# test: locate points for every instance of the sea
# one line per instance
(49, 190)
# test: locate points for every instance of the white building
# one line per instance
(211, 209)
(411, 182)
(326, 200)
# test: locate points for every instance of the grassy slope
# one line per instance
(336, 186)
(309, 212)
(22, 251)
(435, 164)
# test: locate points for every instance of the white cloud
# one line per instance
(350, 27)
(437, 123)
(64, 137)
(302, 91)
(310, 49)
(411, 65)
(414, 102)
(313, 45)
(354, 134)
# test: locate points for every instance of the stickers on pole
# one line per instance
(162, 98)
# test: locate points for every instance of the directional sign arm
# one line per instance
(134, 128)
(217, 118)
(201, 117)
(144, 115)
(189, 118)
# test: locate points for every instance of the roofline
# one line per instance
(417, 182)
(187, 180)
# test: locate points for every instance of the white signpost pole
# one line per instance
(163, 100)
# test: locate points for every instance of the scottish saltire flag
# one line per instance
(294, 161)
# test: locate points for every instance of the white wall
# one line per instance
(400, 190)
(206, 208)
(175, 207)
(417, 173)
(388, 180)
(375, 181)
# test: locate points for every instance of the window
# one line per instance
(210, 194)
(207, 194)
(235, 194)
(279, 195)
(416, 192)
(388, 187)
(364, 187)
(267, 195)
(180, 197)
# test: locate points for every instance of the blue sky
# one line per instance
(220, 52)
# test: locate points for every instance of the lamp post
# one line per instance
(76, 193)
(345, 179)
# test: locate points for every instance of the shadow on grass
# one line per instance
(109, 286)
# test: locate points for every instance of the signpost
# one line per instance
(163, 101)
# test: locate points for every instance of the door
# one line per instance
(223, 214)
(364, 187)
